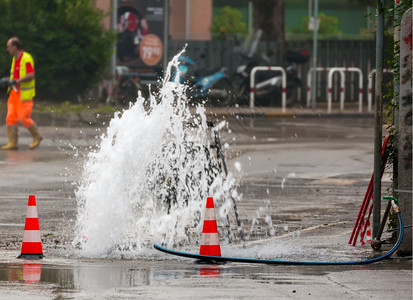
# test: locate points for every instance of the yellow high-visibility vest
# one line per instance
(27, 89)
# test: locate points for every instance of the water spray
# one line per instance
(221, 156)
(149, 177)
(223, 259)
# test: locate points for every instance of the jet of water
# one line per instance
(149, 178)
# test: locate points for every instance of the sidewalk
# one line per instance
(296, 111)
(88, 118)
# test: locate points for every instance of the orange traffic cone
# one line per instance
(210, 240)
(32, 245)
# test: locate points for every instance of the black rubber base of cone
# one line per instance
(31, 256)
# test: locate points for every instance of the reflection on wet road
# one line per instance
(90, 278)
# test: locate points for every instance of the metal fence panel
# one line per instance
(331, 53)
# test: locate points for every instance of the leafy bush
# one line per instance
(328, 25)
(228, 21)
(69, 44)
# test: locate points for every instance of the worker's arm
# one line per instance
(26, 78)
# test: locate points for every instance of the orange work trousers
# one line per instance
(18, 110)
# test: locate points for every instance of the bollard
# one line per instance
(330, 87)
(309, 79)
(283, 84)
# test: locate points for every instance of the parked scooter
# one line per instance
(209, 87)
(268, 84)
(215, 87)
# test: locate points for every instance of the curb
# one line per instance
(87, 118)
(290, 113)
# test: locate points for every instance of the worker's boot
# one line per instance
(12, 133)
(37, 137)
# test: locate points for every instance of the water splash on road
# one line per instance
(149, 178)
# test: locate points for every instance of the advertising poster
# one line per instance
(140, 26)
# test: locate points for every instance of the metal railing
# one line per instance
(370, 87)
(330, 87)
(331, 53)
(309, 80)
(283, 84)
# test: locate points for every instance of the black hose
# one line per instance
(214, 259)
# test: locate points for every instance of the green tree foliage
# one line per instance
(328, 25)
(228, 21)
(68, 42)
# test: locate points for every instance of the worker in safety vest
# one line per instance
(21, 92)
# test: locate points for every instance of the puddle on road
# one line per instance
(97, 276)
(87, 277)
(105, 276)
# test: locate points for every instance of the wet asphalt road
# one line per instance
(311, 174)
